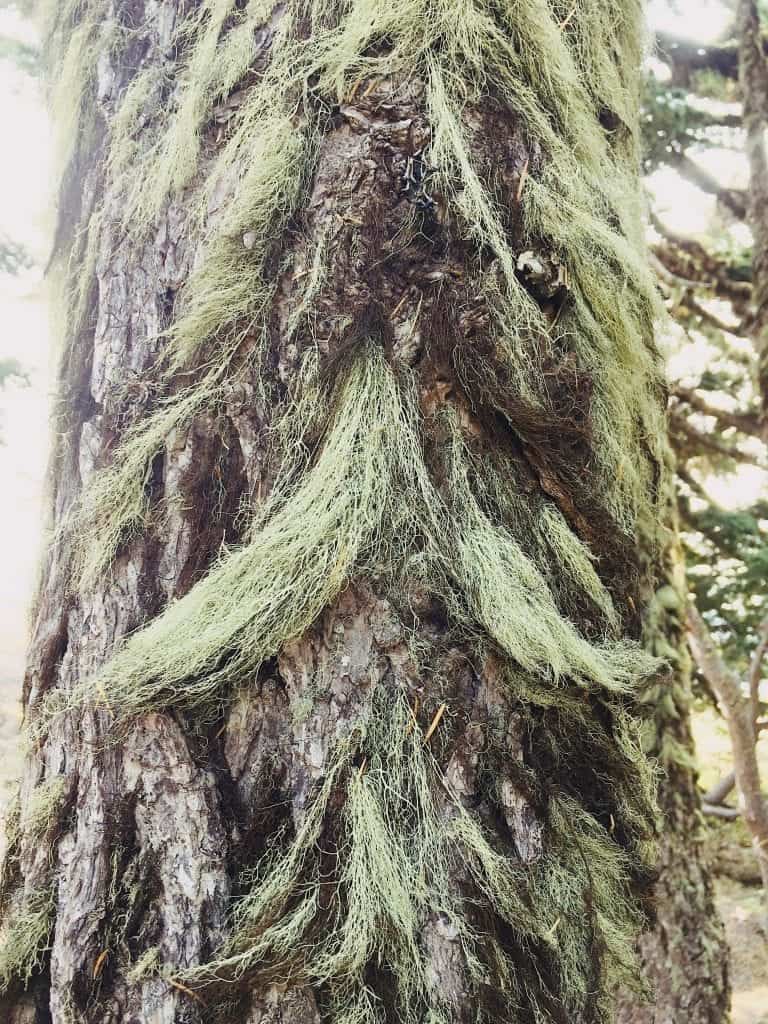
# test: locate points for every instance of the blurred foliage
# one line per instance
(709, 84)
(12, 370)
(727, 572)
(13, 257)
(707, 284)
(27, 58)
(21, 54)
(670, 123)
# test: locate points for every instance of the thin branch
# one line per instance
(710, 318)
(738, 716)
(756, 671)
(724, 121)
(708, 444)
(697, 488)
(687, 258)
(689, 287)
(745, 422)
(669, 276)
(720, 790)
(718, 811)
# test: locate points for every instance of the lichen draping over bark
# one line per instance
(543, 309)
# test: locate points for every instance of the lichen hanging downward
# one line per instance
(558, 72)
(365, 504)
(473, 497)
(406, 855)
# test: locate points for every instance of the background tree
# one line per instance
(332, 686)
(716, 423)
(715, 293)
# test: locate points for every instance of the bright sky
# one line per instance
(27, 185)
(700, 20)
(25, 190)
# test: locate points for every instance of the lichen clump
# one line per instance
(374, 485)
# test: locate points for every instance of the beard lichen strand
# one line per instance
(403, 841)
(578, 205)
(227, 299)
(366, 504)
(308, 539)
(28, 905)
(27, 924)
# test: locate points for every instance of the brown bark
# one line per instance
(753, 81)
(153, 826)
(685, 955)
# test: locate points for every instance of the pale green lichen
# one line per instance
(43, 808)
(148, 963)
(401, 851)
(24, 933)
(583, 203)
(11, 843)
(355, 496)
(360, 506)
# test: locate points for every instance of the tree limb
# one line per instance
(741, 727)
(689, 287)
(688, 259)
(697, 488)
(732, 199)
(720, 790)
(708, 444)
(745, 422)
(718, 811)
(756, 670)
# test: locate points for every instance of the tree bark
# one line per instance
(331, 695)
(753, 82)
(685, 955)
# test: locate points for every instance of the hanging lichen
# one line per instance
(583, 202)
(374, 483)
(407, 848)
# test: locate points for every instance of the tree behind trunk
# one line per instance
(685, 954)
(332, 686)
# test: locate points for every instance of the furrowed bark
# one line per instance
(753, 82)
(331, 693)
(685, 955)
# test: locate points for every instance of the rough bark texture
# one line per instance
(685, 956)
(753, 80)
(131, 842)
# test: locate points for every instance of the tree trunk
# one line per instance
(332, 688)
(685, 955)
(753, 82)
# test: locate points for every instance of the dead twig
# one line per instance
(435, 722)
(186, 991)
